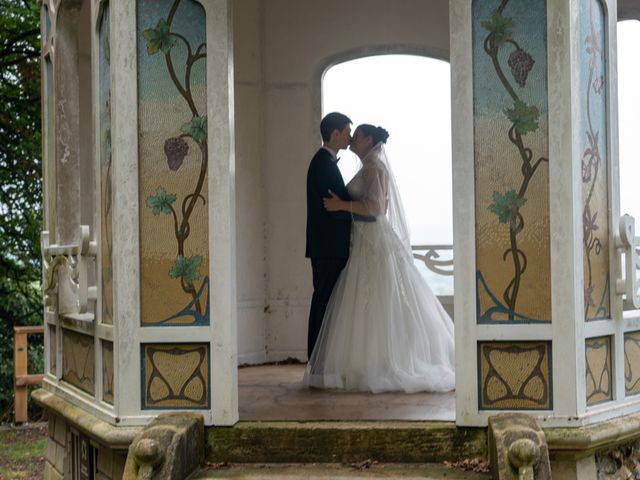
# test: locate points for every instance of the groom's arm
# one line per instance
(328, 178)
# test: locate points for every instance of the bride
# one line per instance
(383, 330)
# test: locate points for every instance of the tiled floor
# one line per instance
(276, 393)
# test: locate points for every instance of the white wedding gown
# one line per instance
(384, 329)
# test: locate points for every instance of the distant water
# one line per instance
(439, 284)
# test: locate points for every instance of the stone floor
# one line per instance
(276, 393)
(340, 472)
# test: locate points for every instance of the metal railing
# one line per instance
(432, 258)
(628, 245)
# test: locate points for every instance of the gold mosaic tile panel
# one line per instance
(595, 184)
(107, 372)
(106, 190)
(515, 376)
(175, 375)
(598, 370)
(78, 360)
(511, 161)
(173, 163)
(632, 363)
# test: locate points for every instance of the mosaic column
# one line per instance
(173, 229)
(537, 325)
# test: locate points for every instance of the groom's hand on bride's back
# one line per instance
(362, 218)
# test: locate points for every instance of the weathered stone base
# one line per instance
(581, 452)
(58, 454)
(68, 423)
(580, 469)
(171, 447)
(330, 442)
(585, 453)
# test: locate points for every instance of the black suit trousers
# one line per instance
(325, 275)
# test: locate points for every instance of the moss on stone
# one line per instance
(311, 442)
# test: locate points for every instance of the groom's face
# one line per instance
(344, 137)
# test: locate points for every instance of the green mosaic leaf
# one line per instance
(188, 269)
(505, 207)
(499, 26)
(523, 117)
(161, 202)
(196, 128)
(159, 38)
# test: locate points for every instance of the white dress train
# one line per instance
(384, 329)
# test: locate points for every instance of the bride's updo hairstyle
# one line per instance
(378, 134)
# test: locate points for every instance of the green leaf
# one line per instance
(159, 38)
(506, 207)
(162, 201)
(196, 128)
(188, 269)
(523, 117)
(499, 26)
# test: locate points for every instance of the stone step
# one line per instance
(344, 442)
(338, 472)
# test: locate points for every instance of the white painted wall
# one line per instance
(282, 48)
(250, 192)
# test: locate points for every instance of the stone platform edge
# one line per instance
(343, 441)
(99, 430)
(580, 442)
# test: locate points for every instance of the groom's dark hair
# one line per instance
(333, 121)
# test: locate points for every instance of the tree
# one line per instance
(20, 186)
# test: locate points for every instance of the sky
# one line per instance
(629, 119)
(410, 97)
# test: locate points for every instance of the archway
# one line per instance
(418, 119)
(389, 90)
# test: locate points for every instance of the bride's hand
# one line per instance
(333, 203)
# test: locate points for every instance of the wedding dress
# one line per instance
(384, 329)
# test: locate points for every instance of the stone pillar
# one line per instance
(140, 307)
(538, 326)
(174, 210)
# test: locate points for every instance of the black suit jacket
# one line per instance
(328, 233)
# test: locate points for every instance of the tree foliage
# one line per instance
(20, 186)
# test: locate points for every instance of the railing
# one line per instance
(22, 379)
(68, 287)
(431, 258)
(629, 245)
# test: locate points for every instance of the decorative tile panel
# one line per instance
(632, 363)
(49, 143)
(595, 164)
(106, 191)
(515, 376)
(107, 372)
(53, 350)
(511, 155)
(45, 20)
(173, 163)
(78, 360)
(175, 376)
(598, 370)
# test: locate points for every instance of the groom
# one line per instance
(328, 233)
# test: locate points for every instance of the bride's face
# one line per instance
(360, 145)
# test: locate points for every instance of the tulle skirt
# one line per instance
(384, 329)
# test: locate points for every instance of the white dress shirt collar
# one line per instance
(333, 154)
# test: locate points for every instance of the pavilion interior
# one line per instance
(281, 50)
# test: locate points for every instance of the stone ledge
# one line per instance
(99, 430)
(578, 442)
(339, 441)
